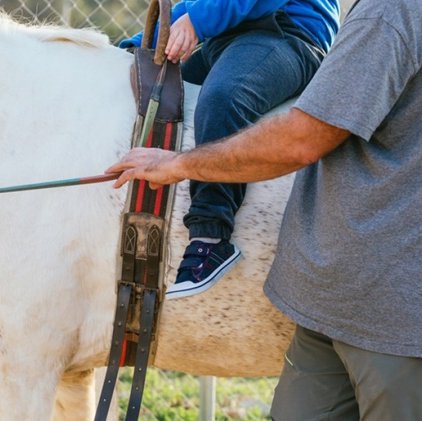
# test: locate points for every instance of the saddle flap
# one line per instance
(170, 108)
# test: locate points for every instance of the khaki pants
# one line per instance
(328, 380)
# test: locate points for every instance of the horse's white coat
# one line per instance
(67, 110)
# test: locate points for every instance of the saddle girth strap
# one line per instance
(122, 307)
(143, 239)
(142, 353)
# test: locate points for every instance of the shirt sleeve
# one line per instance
(178, 10)
(361, 78)
(212, 17)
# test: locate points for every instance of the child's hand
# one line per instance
(182, 39)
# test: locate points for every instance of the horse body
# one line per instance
(67, 110)
(58, 248)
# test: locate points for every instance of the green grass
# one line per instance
(173, 396)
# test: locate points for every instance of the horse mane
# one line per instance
(87, 37)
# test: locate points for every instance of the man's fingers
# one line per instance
(124, 178)
(130, 160)
(120, 166)
(113, 169)
(151, 164)
(154, 186)
(129, 175)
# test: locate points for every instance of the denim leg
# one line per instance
(248, 75)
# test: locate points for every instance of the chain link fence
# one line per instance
(117, 18)
(168, 395)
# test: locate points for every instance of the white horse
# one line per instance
(67, 110)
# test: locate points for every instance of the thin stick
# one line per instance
(61, 183)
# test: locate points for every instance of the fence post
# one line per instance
(207, 386)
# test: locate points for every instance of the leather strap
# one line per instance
(142, 353)
(163, 9)
(122, 308)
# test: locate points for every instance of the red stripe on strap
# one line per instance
(148, 143)
(140, 196)
(158, 200)
(141, 187)
(167, 136)
(160, 191)
(123, 356)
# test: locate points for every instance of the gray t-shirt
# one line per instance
(349, 260)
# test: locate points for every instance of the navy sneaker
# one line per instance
(202, 266)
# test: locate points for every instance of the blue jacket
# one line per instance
(319, 19)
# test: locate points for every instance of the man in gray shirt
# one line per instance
(348, 268)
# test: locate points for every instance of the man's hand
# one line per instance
(182, 40)
(155, 165)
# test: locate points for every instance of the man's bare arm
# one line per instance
(269, 149)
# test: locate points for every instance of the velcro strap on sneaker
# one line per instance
(190, 263)
(195, 250)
